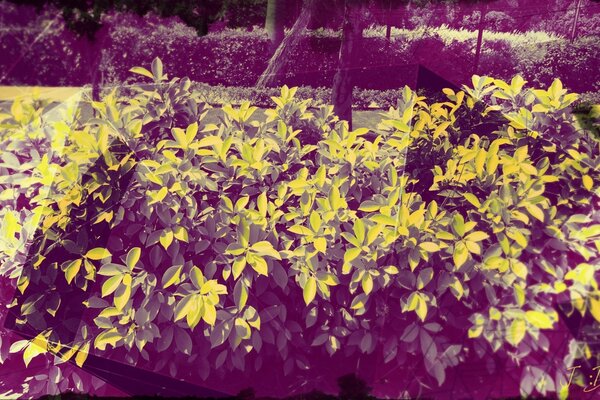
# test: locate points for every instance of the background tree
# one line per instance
(275, 20)
(85, 19)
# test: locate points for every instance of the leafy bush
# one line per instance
(577, 60)
(237, 57)
(261, 97)
(287, 245)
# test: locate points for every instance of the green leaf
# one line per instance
(539, 319)
(38, 346)
(300, 230)
(82, 354)
(166, 238)
(429, 247)
(133, 256)
(587, 181)
(327, 278)
(196, 311)
(72, 269)
(184, 306)
(519, 269)
(310, 290)
(424, 278)
(477, 236)
(265, 248)
(171, 276)
(458, 223)
(111, 336)
(123, 293)
(421, 309)
(157, 68)
(98, 253)
(191, 132)
(240, 294)
(535, 212)
(242, 329)
(210, 314)
(142, 71)
(181, 234)
(516, 332)
(111, 269)
(158, 196)
(258, 264)
(351, 254)
(359, 230)
(208, 141)
(315, 221)
(383, 220)
(460, 255)
(320, 244)
(238, 266)
(367, 283)
(471, 198)
(359, 301)
(111, 285)
(369, 206)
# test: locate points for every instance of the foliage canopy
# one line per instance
(429, 240)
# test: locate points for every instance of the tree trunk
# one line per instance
(388, 29)
(275, 22)
(277, 63)
(479, 38)
(575, 20)
(341, 95)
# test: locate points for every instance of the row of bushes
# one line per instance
(261, 97)
(245, 253)
(237, 58)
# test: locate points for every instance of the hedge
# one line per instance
(290, 249)
(238, 57)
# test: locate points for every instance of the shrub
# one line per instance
(576, 63)
(252, 246)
